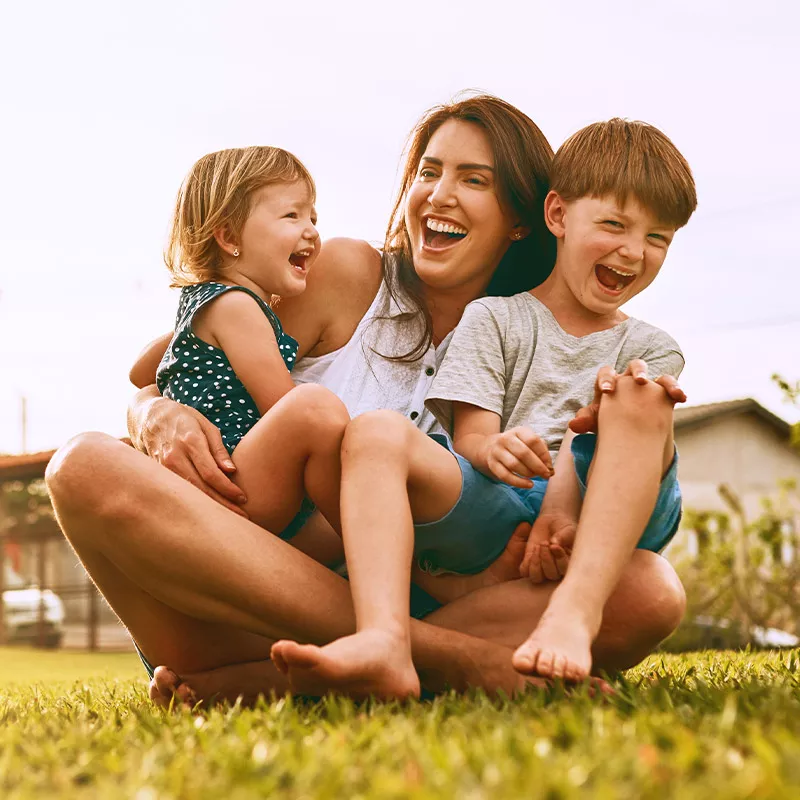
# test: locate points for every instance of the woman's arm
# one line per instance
(143, 372)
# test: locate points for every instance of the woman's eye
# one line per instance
(427, 173)
(476, 181)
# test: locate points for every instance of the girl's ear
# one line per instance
(554, 212)
(226, 241)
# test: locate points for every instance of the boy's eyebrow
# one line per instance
(462, 167)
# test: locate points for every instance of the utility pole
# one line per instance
(24, 424)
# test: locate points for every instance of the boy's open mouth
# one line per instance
(299, 260)
(440, 235)
(612, 278)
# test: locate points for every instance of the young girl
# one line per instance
(242, 233)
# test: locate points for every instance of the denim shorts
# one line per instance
(476, 530)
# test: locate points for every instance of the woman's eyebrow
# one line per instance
(439, 163)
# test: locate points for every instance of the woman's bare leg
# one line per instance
(291, 451)
(199, 587)
(634, 449)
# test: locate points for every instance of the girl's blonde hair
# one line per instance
(218, 193)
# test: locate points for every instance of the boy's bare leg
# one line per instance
(388, 468)
(634, 449)
(291, 451)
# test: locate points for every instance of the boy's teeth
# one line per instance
(445, 227)
(620, 286)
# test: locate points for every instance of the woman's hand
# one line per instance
(185, 442)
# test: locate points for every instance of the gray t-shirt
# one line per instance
(510, 356)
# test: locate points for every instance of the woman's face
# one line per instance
(457, 226)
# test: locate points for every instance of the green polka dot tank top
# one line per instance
(199, 375)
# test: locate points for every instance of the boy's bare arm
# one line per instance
(514, 456)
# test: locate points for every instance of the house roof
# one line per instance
(690, 416)
(24, 467)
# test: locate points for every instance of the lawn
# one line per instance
(709, 724)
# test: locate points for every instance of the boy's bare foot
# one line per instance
(247, 681)
(559, 647)
(446, 588)
(367, 664)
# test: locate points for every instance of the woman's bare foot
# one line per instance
(367, 664)
(446, 588)
(247, 681)
(559, 647)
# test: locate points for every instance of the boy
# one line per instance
(516, 372)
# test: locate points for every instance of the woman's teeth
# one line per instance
(445, 227)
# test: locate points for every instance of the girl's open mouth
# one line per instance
(300, 260)
(613, 280)
(439, 235)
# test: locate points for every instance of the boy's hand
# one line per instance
(585, 420)
(516, 455)
(549, 548)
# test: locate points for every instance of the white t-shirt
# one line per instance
(365, 381)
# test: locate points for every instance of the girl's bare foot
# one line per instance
(247, 681)
(559, 647)
(370, 663)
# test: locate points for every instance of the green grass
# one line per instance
(709, 724)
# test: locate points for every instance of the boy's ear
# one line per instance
(225, 240)
(554, 212)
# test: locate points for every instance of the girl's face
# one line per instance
(458, 229)
(279, 240)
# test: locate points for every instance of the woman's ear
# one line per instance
(226, 241)
(519, 232)
(555, 208)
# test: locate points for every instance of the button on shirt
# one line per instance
(365, 381)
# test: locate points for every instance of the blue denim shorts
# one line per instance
(476, 530)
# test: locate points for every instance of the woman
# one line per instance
(206, 591)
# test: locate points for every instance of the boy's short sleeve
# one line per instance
(663, 356)
(473, 370)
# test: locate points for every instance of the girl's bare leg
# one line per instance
(389, 468)
(291, 451)
(634, 449)
(200, 588)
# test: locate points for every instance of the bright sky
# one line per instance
(106, 105)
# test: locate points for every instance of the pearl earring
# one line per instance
(236, 252)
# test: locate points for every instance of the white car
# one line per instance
(21, 603)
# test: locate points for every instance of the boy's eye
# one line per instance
(613, 222)
(292, 215)
(657, 237)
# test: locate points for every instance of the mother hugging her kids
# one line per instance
(176, 542)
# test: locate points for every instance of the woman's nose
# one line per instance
(442, 194)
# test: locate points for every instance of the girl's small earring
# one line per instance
(516, 236)
(236, 252)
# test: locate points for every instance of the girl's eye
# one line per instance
(292, 215)
(476, 181)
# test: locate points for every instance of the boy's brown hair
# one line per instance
(624, 158)
(218, 193)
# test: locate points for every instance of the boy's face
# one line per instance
(607, 254)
